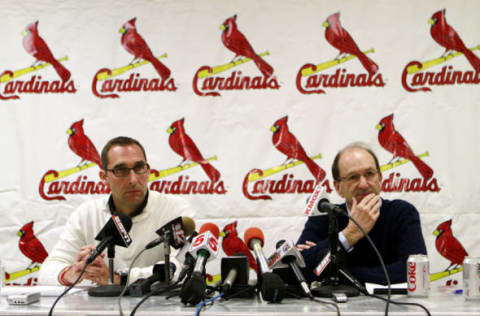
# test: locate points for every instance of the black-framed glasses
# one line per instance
(355, 177)
(122, 171)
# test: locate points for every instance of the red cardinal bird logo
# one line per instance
(232, 244)
(393, 142)
(184, 146)
(447, 37)
(136, 45)
(36, 46)
(81, 145)
(449, 246)
(235, 41)
(30, 246)
(288, 144)
(339, 38)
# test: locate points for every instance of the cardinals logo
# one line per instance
(53, 188)
(295, 155)
(134, 44)
(207, 83)
(415, 77)
(393, 142)
(43, 58)
(449, 248)
(233, 245)
(32, 248)
(310, 80)
(184, 146)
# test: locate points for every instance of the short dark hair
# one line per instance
(119, 141)
(335, 169)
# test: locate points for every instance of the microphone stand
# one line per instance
(332, 284)
(109, 290)
(161, 286)
(166, 251)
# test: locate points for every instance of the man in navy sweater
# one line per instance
(393, 225)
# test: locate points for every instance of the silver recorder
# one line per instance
(23, 298)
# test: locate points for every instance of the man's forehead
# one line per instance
(356, 159)
(125, 154)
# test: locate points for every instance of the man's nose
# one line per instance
(132, 176)
(362, 182)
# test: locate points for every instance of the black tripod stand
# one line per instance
(332, 283)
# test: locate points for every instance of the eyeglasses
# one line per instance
(122, 172)
(353, 178)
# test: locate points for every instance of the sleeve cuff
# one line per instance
(343, 240)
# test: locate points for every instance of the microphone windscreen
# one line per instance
(114, 230)
(188, 225)
(279, 243)
(210, 227)
(126, 221)
(272, 288)
(253, 233)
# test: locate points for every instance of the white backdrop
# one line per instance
(440, 125)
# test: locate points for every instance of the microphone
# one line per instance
(324, 206)
(174, 232)
(287, 253)
(185, 258)
(143, 286)
(312, 202)
(114, 232)
(234, 270)
(272, 286)
(204, 248)
(324, 262)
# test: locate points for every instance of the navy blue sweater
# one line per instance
(396, 234)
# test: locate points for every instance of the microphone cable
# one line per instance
(68, 289)
(127, 282)
(401, 303)
(202, 303)
(146, 296)
(159, 291)
(389, 290)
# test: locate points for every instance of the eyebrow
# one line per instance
(124, 165)
(366, 170)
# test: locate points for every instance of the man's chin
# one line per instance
(134, 196)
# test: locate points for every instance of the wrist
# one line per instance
(62, 276)
(352, 236)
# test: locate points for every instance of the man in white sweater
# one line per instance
(126, 172)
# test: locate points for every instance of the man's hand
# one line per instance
(96, 272)
(307, 245)
(366, 214)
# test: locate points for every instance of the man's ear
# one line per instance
(336, 184)
(103, 176)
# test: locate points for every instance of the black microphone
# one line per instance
(175, 231)
(290, 255)
(234, 270)
(114, 232)
(143, 286)
(204, 248)
(185, 258)
(271, 285)
(324, 206)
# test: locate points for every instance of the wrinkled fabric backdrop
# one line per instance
(228, 110)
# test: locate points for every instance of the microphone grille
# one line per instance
(125, 220)
(210, 227)
(253, 233)
(188, 225)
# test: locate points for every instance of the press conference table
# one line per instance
(440, 302)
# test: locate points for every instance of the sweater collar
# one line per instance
(138, 211)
